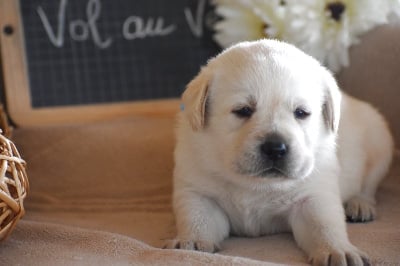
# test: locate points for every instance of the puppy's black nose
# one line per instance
(274, 148)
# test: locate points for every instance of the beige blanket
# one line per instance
(116, 177)
(48, 244)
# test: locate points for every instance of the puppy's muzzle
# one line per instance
(274, 148)
(274, 153)
(270, 159)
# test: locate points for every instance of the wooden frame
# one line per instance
(16, 81)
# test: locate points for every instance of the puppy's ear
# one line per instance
(332, 100)
(194, 99)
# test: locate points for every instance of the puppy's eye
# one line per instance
(300, 113)
(243, 112)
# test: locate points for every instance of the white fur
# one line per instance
(329, 166)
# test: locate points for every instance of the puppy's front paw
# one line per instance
(340, 257)
(359, 210)
(199, 245)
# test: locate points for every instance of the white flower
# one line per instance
(395, 7)
(245, 20)
(326, 29)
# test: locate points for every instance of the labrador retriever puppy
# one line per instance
(267, 143)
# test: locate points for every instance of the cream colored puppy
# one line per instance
(260, 150)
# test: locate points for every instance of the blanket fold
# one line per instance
(35, 243)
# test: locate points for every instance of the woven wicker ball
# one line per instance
(13, 186)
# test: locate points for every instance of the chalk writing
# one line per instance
(133, 27)
(56, 39)
(142, 29)
(78, 30)
(93, 11)
(196, 26)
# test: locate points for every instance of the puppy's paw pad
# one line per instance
(360, 210)
(199, 245)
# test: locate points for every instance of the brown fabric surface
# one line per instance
(116, 177)
(374, 72)
(49, 244)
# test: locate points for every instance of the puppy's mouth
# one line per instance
(276, 171)
(271, 172)
(254, 167)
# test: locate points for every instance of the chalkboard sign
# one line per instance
(97, 57)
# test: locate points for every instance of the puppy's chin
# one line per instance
(290, 172)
